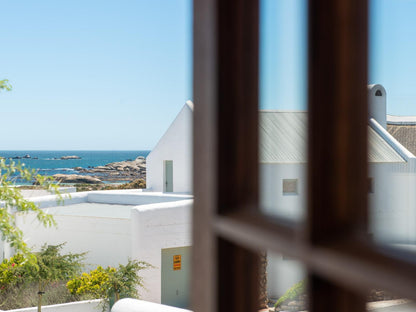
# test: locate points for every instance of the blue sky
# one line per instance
(99, 74)
(93, 74)
(392, 53)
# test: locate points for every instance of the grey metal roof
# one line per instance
(405, 134)
(283, 139)
(401, 120)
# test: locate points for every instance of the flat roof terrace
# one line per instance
(104, 204)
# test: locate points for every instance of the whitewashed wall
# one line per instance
(282, 273)
(272, 200)
(393, 204)
(392, 210)
(175, 145)
(134, 305)
(106, 237)
(80, 306)
(107, 240)
(155, 227)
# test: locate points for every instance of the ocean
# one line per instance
(49, 162)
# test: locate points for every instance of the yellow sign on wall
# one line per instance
(177, 262)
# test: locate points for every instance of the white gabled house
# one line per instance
(283, 157)
(392, 171)
(156, 227)
(392, 179)
(169, 164)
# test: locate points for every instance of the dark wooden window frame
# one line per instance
(229, 230)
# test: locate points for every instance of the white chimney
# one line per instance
(377, 104)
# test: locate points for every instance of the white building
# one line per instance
(153, 225)
(392, 176)
(156, 227)
(283, 141)
(113, 226)
(169, 164)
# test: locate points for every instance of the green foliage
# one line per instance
(13, 201)
(12, 272)
(52, 266)
(5, 85)
(47, 266)
(109, 283)
(136, 184)
(125, 280)
(292, 293)
(94, 284)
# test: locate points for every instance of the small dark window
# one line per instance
(378, 93)
(290, 186)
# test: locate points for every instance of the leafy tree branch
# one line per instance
(5, 85)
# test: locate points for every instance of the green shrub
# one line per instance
(12, 200)
(291, 293)
(45, 267)
(12, 272)
(136, 184)
(52, 266)
(94, 284)
(110, 283)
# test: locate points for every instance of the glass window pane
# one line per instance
(283, 116)
(392, 136)
(286, 280)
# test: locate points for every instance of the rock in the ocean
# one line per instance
(127, 170)
(75, 178)
(70, 157)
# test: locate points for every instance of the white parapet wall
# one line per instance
(28, 193)
(106, 240)
(95, 222)
(113, 226)
(80, 306)
(155, 227)
(134, 305)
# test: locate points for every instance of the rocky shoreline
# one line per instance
(27, 156)
(126, 171)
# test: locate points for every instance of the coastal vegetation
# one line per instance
(110, 284)
(56, 278)
(13, 201)
(136, 184)
(25, 283)
(292, 294)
